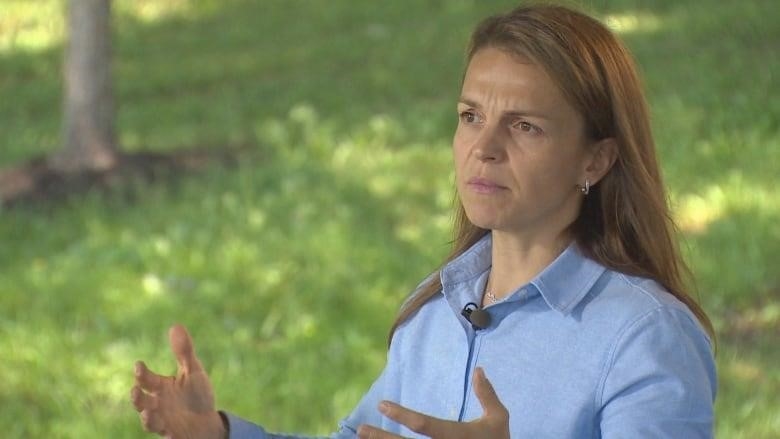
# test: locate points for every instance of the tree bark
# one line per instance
(89, 110)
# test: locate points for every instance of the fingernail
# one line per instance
(384, 407)
(137, 369)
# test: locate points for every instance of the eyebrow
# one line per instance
(475, 104)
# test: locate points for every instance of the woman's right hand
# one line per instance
(181, 406)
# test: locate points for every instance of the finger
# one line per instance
(148, 380)
(142, 400)
(369, 432)
(418, 422)
(152, 421)
(183, 350)
(486, 395)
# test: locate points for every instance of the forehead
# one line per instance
(497, 75)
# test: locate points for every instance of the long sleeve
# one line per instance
(365, 413)
(661, 381)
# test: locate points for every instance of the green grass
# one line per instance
(289, 266)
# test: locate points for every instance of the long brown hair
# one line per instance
(624, 222)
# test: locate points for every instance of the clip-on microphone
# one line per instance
(479, 318)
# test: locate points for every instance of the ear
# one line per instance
(600, 158)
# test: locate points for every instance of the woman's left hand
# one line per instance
(494, 423)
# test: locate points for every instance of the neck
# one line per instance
(515, 261)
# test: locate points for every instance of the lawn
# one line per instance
(288, 266)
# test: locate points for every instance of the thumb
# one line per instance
(183, 350)
(486, 394)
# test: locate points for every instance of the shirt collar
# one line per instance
(469, 264)
(562, 284)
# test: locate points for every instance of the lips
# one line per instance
(482, 185)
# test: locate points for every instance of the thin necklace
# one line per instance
(490, 296)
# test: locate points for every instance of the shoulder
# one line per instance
(659, 362)
(653, 330)
(630, 301)
(639, 321)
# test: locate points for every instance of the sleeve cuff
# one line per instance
(241, 429)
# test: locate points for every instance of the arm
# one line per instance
(365, 412)
(242, 429)
(660, 380)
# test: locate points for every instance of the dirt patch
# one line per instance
(762, 319)
(35, 182)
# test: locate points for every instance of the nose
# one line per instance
(488, 145)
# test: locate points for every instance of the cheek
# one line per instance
(559, 178)
(457, 138)
(459, 152)
(545, 173)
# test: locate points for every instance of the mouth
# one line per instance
(484, 186)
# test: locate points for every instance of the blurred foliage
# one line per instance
(288, 267)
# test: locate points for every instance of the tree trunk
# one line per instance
(89, 111)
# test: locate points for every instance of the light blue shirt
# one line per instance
(581, 351)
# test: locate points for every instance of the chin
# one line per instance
(483, 220)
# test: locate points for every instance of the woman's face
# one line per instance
(520, 150)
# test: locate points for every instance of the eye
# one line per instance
(469, 116)
(527, 127)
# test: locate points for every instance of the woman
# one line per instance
(564, 284)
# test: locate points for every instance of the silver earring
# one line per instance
(585, 189)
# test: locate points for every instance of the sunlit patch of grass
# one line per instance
(150, 11)
(695, 212)
(31, 25)
(638, 22)
(36, 25)
(733, 239)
